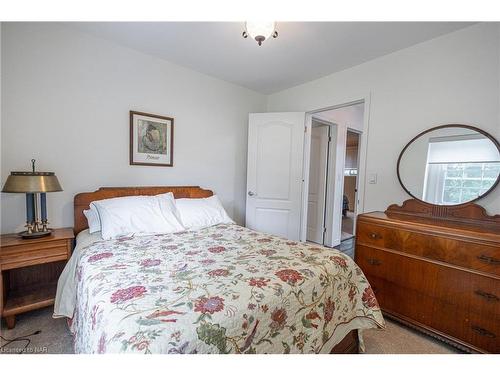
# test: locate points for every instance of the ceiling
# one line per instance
(303, 51)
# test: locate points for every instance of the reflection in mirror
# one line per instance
(449, 166)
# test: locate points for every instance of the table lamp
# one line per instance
(35, 185)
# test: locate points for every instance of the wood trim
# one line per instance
(82, 200)
(131, 154)
(470, 213)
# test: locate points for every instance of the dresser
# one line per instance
(438, 272)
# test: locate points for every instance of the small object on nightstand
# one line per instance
(29, 270)
(34, 184)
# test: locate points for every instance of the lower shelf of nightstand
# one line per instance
(29, 298)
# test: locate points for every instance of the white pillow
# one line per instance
(201, 213)
(92, 219)
(137, 215)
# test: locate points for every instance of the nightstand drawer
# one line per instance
(34, 253)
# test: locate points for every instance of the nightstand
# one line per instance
(29, 270)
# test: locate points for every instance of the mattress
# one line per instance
(222, 289)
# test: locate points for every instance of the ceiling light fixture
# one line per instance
(260, 31)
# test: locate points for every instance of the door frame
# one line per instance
(327, 125)
(362, 162)
(356, 193)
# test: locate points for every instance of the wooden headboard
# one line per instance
(82, 200)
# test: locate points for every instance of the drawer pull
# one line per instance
(487, 259)
(484, 332)
(375, 236)
(487, 296)
(374, 262)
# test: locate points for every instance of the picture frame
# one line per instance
(151, 139)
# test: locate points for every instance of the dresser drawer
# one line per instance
(401, 300)
(371, 234)
(36, 253)
(473, 292)
(482, 331)
(466, 254)
(470, 329)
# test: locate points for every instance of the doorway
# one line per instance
(278, 171)
(349, 199)
(331, 166)
(318, 175)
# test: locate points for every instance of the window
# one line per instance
(466, 181)
(459, 168)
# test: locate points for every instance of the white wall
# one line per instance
(66, 98)
(451, 79)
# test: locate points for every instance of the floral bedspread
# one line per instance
(223, 289)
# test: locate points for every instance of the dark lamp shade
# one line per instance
(31, 182)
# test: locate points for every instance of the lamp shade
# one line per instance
(260, 29)
(31, 182)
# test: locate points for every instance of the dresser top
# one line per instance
(486, 232)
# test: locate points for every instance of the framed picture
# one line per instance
(151, 139)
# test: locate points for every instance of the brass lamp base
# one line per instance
(27, 235)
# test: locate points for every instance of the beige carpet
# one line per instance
(398, 339)
(55, 337)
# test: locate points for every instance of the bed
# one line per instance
(221, 289)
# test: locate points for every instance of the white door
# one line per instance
(317, 183)
(274, 173)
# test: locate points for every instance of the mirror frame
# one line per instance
(486, 134)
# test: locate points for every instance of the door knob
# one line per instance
(251, 193)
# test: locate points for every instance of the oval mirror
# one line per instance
(450, 165)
